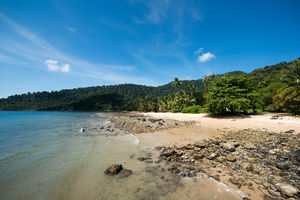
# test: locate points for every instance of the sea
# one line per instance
(48, 156)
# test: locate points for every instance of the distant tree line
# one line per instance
(272, 88)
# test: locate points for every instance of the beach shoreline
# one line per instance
(178, 132)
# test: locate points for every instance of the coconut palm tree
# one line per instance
(288, 97)
(177, 83)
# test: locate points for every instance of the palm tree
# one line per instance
(289, 97)
(177, 83)
(191, 88)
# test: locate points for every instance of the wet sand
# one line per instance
(205, 128)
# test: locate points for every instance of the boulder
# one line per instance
(230, 158)
(283, 165)
(287, 190)
(113, 169)
(212, 156)
(228, 146)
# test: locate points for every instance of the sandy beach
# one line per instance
(257, 154)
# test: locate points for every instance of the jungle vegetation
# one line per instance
(274, 88)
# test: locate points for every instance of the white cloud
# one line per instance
(34, 51)
(53, 66)
(206, 57)
(71, 29)
(198, 51)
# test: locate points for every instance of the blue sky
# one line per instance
(52, 45)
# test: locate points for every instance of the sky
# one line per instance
(59, 44)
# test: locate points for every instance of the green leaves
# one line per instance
(231, 94)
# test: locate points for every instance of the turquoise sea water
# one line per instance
(44, 155)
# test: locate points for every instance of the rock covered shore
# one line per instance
(254, 161)
(261, 163)
(139, 124)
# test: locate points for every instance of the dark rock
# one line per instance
(267, 197)
(154, 120)
(113, 169)
(296, 155)
(245, 198)
(142, 158)
(198, 156)
(283, 165)
(174, 169)
(125, 173)
(290, 131)
(201, 145)
(216, 177)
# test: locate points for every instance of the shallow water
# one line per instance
(45, 156)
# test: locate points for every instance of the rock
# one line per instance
(283, 165)
(143, 158)
(212, 156)
(274, 117)
(267, 197)
(230, 158)
(201, 145)
(167, 153)
(228, 146)
(216, 177)
(272, 192)
(249, 146)
(245, 198)
(160, 123)
(290, 131)
(154, 120)
(234, 181)
(249, 168)
(287, 190)
(125, 173)
(174, 169)
(296, 155)
(198, 156)
(113, 169)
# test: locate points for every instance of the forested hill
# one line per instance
(125, 96)
(112, 97)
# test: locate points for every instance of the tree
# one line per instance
(288, 97)
(177, 83)
(231, 94)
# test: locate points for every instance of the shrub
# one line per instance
(193, 109)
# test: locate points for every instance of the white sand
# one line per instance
(258, 122)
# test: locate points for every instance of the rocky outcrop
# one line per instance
(287, 190)
(269, 160)
(113, 169)
(138, 124)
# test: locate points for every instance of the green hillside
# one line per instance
(266, 81)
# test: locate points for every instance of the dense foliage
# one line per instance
(193, 109)
(231, 94)
(272, 88)
(114, 97)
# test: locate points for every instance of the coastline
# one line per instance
(201, 128)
